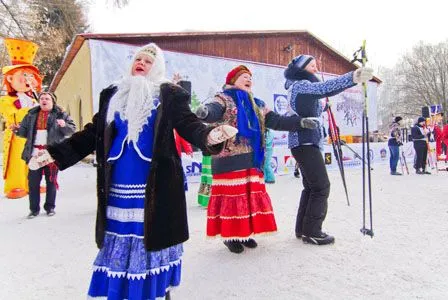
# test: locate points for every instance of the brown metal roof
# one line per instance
(144, 38)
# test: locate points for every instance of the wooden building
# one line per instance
(72, 83)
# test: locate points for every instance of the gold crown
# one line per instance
(21, 51)
(149, 50)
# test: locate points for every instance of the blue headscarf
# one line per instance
(248, 123)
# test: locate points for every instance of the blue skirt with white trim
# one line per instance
(124, 269)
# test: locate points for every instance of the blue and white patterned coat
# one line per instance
(304, 97)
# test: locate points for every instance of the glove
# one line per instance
(42, 159)
(362, 75)
(221, 134)
(309, 123)
(202, 112)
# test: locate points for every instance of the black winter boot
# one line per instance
(234, 246)
(318, 239)
(250, 243)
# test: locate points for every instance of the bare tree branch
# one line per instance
(14, 19)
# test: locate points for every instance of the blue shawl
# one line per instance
(248, 123)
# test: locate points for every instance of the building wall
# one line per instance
(74, 91)
(271, 49)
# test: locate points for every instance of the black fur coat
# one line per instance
(165, 220)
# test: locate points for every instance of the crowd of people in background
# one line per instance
(423, 134)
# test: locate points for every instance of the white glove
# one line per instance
(202, 112)
(362, 74)
(221, 134)
(309, 123)
(42, 159)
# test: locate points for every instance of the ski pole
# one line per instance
(336, 143)
(365, 147)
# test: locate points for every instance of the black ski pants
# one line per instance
(421, 154)
(316, 189)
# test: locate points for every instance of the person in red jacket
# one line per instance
(438, 137)
(445, 138)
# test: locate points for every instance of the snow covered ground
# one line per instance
(51, 258)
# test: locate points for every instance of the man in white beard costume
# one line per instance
(141, 217)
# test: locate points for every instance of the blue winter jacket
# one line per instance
(304, 97)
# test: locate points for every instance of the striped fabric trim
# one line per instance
(128, 186)
(237, 181)
(238, 195)
(125, 214)
(128, 191)
(241, 217)
(124, 235)
(105, 298)
(133, 276)
(127, 196)
(123, 191)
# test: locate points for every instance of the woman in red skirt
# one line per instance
(239, 205)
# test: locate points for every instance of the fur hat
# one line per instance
(398, 119)
(236, 72)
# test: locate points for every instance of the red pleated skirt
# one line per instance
(239, 205)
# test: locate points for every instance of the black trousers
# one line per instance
(34, 178)
(421, 154)
(316, 189)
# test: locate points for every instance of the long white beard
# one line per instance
(134, 101)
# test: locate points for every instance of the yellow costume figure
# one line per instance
(21, 79)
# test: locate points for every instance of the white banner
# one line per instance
(283, 163)
(111, 60)
(207, 74)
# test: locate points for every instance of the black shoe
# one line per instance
(32, 215)
(250, 243)
(51, 212)
(419, 172)
(426, 172)
(395, 173)
(234, 246)
(319, 239)
(298, 235)
(269, 182)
